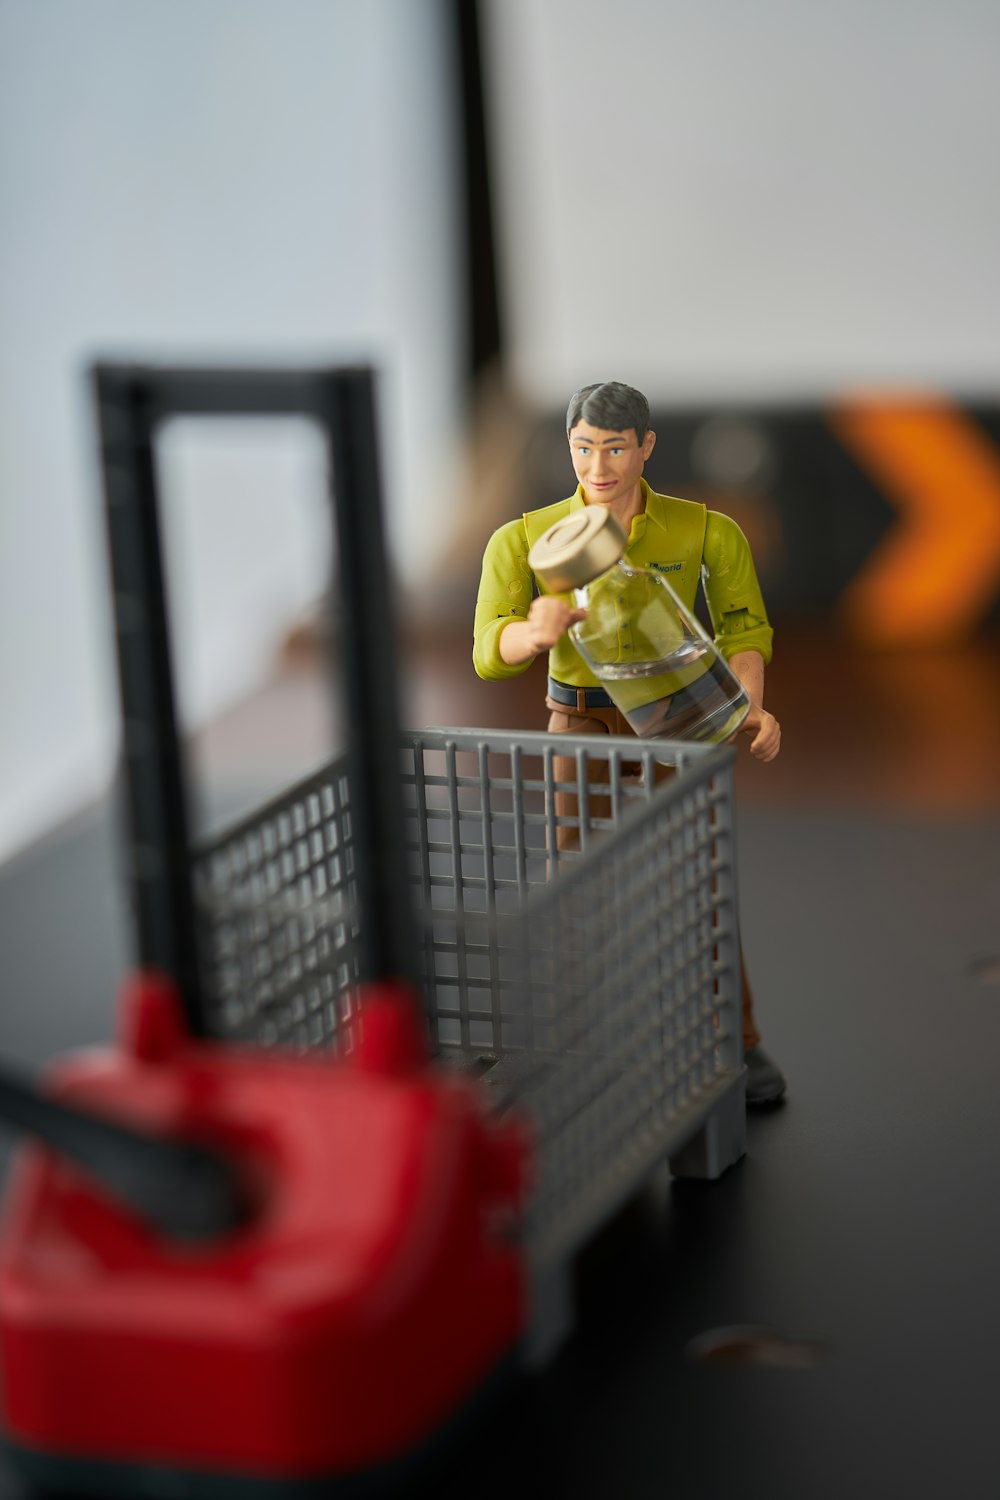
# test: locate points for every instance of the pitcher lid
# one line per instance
(577, 548)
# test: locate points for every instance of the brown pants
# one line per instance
(584, 720)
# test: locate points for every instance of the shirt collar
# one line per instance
(652, 508)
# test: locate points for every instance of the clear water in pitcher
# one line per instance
(708, 710)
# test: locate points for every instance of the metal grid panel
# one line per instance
(278, 919)
(596, 985)
(625, 1012)
(279, 926)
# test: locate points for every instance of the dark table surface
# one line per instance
(863, 1226)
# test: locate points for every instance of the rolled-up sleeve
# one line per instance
(505, 591)
(735, 603)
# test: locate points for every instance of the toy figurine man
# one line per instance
(610, 440)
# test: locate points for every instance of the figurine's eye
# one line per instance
(616, 451)
(583, 451)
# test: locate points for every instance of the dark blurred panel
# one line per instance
(483, 312)
(820, 512)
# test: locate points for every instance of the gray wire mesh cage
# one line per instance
(577, 920)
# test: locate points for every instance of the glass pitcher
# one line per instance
(642, 643)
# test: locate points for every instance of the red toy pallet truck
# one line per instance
(236, 1268)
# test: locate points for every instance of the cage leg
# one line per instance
(720, 1141)
(552, 1314)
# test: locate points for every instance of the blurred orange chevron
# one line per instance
(936, 574)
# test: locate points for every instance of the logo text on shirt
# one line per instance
(667, 567)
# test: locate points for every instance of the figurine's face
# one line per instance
(608, 464)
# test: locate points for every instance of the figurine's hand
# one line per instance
(548, 619)
(766, 731)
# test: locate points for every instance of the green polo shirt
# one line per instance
(660, 539)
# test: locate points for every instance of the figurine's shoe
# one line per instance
(765, 1080)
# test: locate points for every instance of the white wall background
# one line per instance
(765, 198)
(190, 179)
(729, 199)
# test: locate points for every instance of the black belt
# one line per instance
(570, 697)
